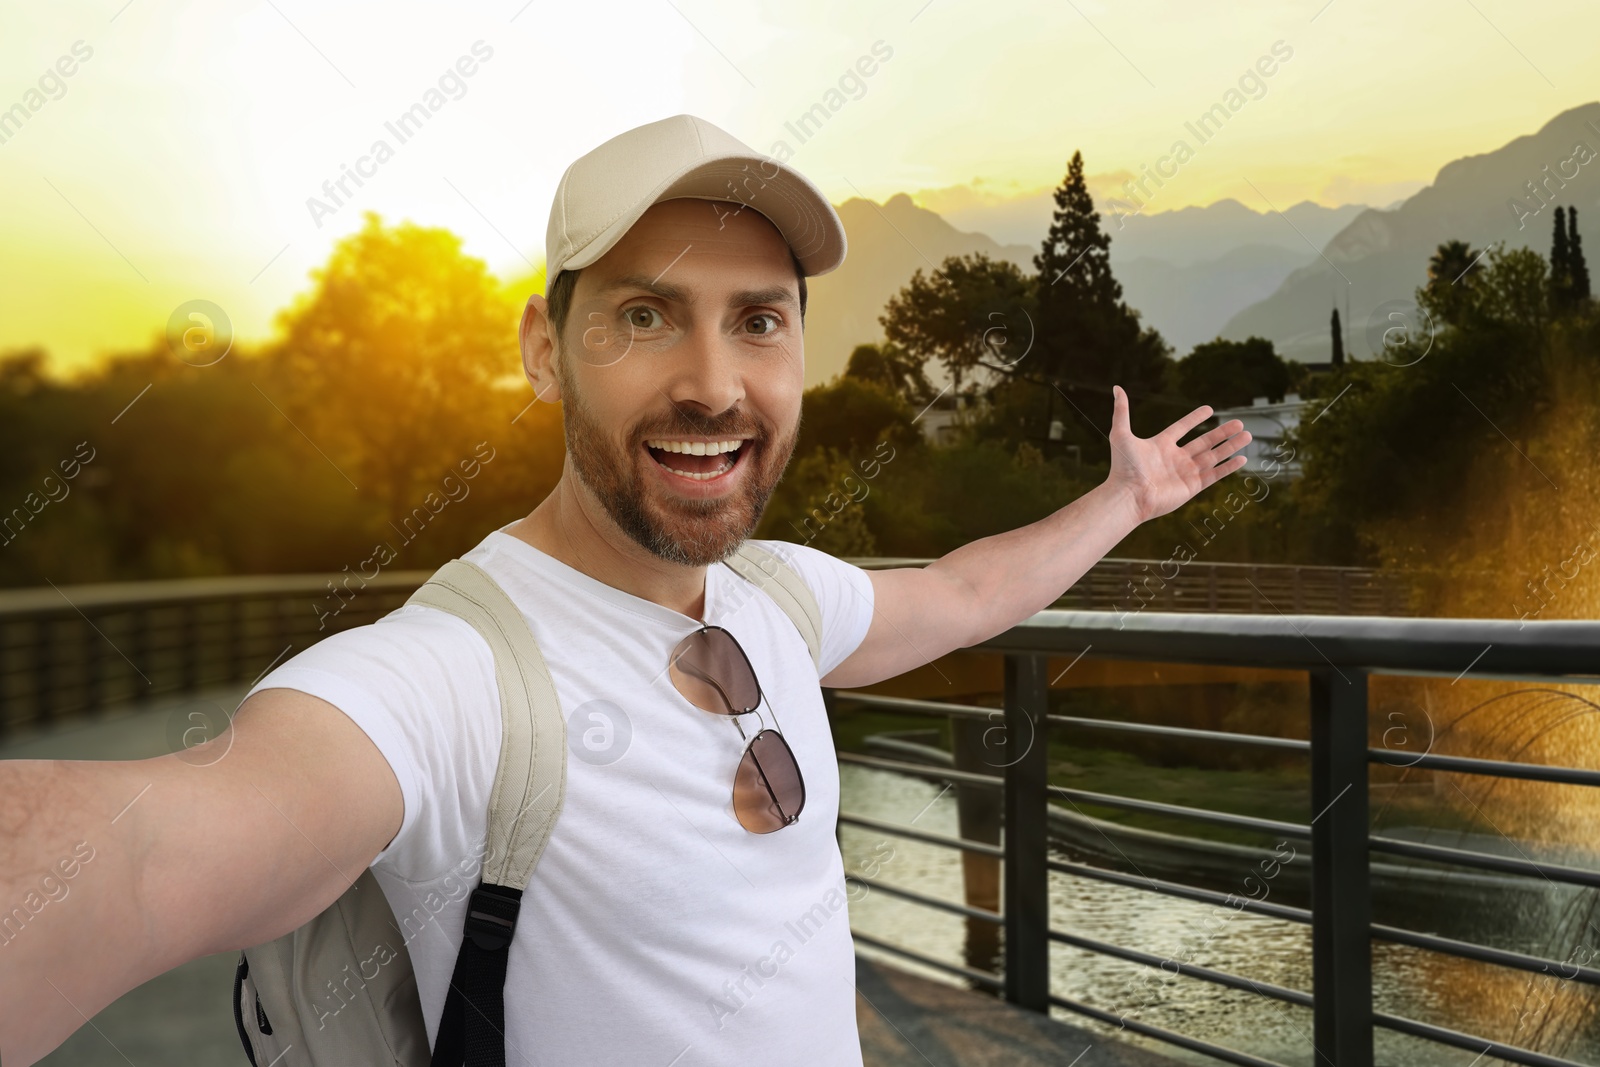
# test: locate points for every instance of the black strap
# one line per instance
(239, 975)
(472, 1027)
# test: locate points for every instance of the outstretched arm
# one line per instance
(986, 587)
(114, 872)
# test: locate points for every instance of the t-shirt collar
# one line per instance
(548, 567)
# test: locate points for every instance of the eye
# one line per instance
(639, 317)
(776, 324)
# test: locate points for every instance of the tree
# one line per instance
(852, 416)
(394, 356)
(1338, 340)
(1578, 269)
(1088, 338)
(1405, 433)
(1232, 373)
(971, 314)
(1448, 294)
(1560, 263)
(894, 369)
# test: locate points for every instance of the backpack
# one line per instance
(307, 999)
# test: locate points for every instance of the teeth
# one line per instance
(701, 476)
(696, 448)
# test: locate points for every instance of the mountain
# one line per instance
(1381, 257)
(1186, 271)
(1194, 235)
(1191, 304)
(888, 243)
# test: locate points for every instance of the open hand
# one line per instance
(1159, 474)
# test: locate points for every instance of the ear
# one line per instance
(534, 336)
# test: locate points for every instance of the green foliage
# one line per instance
(967, 315)
(1569, 271)
(1232, 373)
(851, 416)
(1404, 432)
(919, 502)
(1088, 339)
(298, 457)
(394, 352)
(1450, 293)
(896, 370)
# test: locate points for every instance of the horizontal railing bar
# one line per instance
(920, 707)
(1563, 648)
(1532, 772)
(981, 847)
(1119, 563)
(922, 770)
(1485, 954)
(1177, 811)
(1224, 736)
(121, 596)
(1222, 978)
(1461, 857)
(1171, 1037)
(1481, 1045)
(1187, 892)
(926, 901)
(981, 977)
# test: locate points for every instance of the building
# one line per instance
(1268, 423)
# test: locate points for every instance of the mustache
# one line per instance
(702, 427)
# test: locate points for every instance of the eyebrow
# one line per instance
(744, 298)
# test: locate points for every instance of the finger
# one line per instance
(1216, 474)
(1230, 446)
(1212, 438)
(1187, 423)
(1119, 410)
(1217, 453)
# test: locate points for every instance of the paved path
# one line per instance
(909, 1021)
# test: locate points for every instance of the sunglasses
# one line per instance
(712, 672)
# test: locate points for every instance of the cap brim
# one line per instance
(799, 210)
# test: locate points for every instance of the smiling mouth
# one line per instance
(699, 461)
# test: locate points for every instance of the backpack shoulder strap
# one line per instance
(530, 782)
(280, 1010)
(529, 787)
(785, 586)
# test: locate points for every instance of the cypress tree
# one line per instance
(1088, 339)
(1338, 340)
(1576, 267)
(1560, 264)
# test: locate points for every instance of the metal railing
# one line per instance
(81, 649)
(1133, 585)
(76, 650)
(1338, 656)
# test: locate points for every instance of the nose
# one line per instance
(707, 374)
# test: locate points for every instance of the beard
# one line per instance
(690, 532)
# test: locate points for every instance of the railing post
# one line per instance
(1027, 904)
(979, 815)
(1341, 901)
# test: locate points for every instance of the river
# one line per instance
(1408, 982)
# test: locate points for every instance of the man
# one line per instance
(659, 928)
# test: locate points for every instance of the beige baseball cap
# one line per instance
(605, 191)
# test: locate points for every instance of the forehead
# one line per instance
(691, 236)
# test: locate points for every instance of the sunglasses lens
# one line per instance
(710, 669)
(767, 791)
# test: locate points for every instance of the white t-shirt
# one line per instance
(656, 929)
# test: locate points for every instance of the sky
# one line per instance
(177, 161)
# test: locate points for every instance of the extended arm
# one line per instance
(114, 872)
(986, 587)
